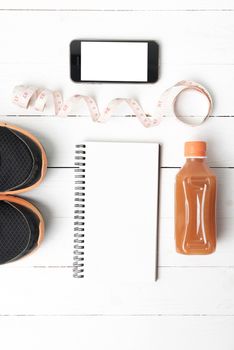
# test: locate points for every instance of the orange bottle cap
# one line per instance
(195, 149)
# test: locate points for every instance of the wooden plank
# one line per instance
(124, 5)
(55, 199)
(217, 78)
(116, 333)
(59, 136)
(53, 291)
(182, 45)
(57, 248)
(55, 195)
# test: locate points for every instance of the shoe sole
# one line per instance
(43, 154)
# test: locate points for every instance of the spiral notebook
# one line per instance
(116, 211)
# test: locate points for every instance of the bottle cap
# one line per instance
(195, 149)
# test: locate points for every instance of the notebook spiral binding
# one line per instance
(79, 218)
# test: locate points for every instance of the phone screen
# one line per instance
(114, 61)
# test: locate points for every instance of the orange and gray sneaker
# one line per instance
(23, 165)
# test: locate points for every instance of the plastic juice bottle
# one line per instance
(195, 203)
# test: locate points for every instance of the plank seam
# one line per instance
(159, 266)
(114, 10)
(120, 315)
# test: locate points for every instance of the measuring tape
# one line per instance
(25, 96)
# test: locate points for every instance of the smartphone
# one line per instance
(117, 61)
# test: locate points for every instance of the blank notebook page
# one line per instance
(121, 205)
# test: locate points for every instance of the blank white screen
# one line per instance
(114, 61)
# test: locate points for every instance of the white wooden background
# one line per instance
(192, 303)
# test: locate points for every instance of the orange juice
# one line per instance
(195, 203)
